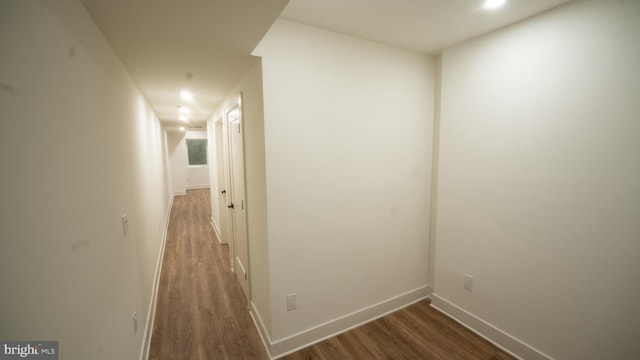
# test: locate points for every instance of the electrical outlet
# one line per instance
(467, 282)
(291, 302)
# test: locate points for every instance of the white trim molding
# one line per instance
(195, 187)
(216, 230)
(279, 348)
(262, 330)
(151, 313)
(499, 338)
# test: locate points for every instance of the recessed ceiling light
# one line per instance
(186, 95)
(493, 4)
(181, 128)
(183, 109)
(184, 118)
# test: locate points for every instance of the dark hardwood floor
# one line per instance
(201, 312)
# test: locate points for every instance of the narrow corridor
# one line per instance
(201, 312)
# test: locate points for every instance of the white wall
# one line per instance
(348, 134)
(183, 176)
(178, 160)
(255, 183)
(212, 157)
(217, 176)
(250, 88)
(539, 180)
(79, 146)
(198, 175)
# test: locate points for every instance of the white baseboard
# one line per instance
(262, 330)
(499, 338)
(194, 187)
(151, 314)
(216, 230)
(293, 343)
(180, 193)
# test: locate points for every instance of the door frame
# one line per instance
(232, 168)
(221, 174)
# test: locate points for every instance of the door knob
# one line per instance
(223, 191)
(230, 206)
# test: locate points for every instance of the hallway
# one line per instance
(201, 312)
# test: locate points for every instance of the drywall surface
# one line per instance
(250, 90)
(79, 147)
(198, 175)
(214, 186)
(178, 160)
(255, 183)
(183, 176)
(539, 180)
(348, 140)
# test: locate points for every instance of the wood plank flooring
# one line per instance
(415, 332)
(201, 312)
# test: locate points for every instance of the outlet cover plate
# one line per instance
(291, 302)
(467, 282)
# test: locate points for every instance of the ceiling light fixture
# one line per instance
(181, 128)
(184, 118)
(493, 4)
(186, 95)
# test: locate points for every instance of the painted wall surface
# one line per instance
(217, 174)
(214, 187)
(539, 180)
(197, 176)
(255, 183)
(348, 139)
(250, 87)
(183, 176)
(178, 161)
(79, 146)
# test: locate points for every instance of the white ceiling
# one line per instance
(161, 42)
(423, 25)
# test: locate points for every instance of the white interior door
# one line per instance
(221, 174)
(238, 202)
